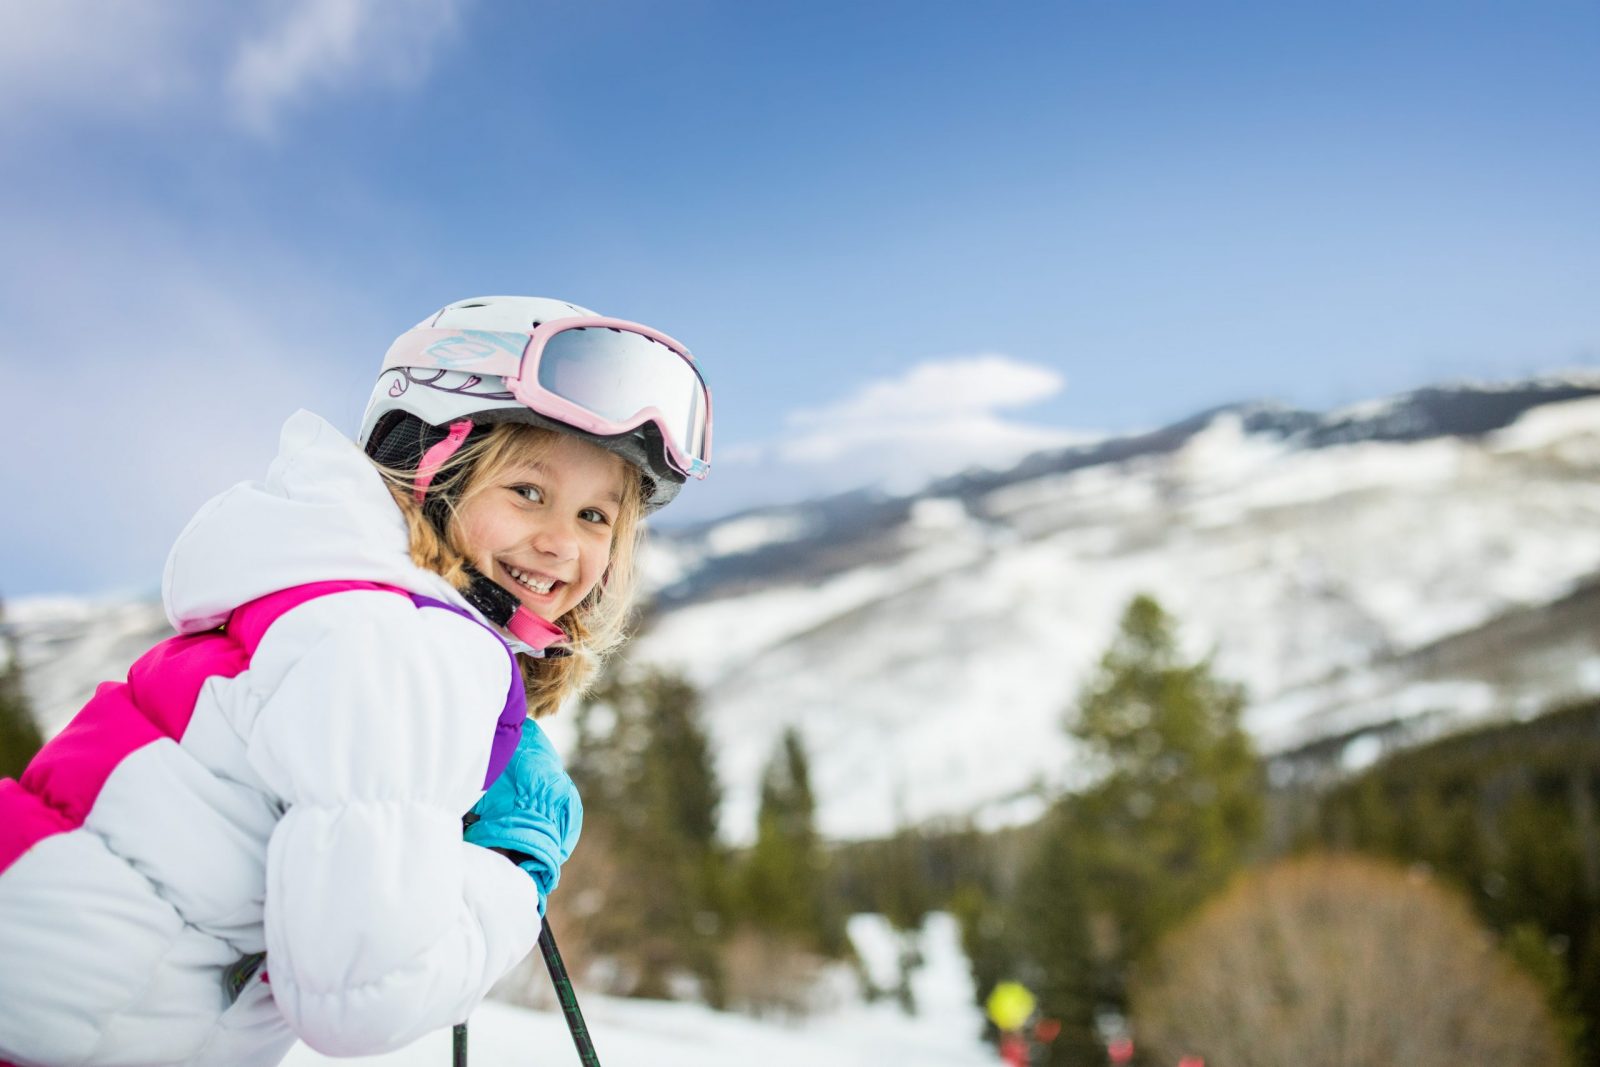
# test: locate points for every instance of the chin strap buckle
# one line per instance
(500, 606)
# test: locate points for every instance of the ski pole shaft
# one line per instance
(458, 1045)
(569, 999)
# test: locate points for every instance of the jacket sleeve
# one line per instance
(374, 729)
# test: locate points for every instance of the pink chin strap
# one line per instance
(435, 457)
(536, 633)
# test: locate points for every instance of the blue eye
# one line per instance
(529, 492)
(594, 515)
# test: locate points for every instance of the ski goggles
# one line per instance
(600, 375)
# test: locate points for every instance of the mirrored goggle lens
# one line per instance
(616, 374)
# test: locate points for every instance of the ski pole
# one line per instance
(569, 999)
(564, 993)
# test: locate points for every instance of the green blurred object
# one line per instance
(784, 891)
(659, 901)
(20, 738)
(1179, 800)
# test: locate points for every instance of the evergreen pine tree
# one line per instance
(683, 797)
(1050, 922)
(785, 886)
(901, 886)
(643, 765)
(1179, 802)
(19, 734)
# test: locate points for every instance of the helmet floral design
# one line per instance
(472, 385)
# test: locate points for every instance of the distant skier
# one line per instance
(259, 836)
(1009, 1007)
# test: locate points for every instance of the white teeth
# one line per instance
(538, 585)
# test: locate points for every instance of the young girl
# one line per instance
(258, 837)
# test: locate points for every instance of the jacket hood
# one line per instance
(322, 514)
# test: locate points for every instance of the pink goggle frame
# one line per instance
(603, 385)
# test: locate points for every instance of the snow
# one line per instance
(1589, 675)
(1364, 410)
(1569, 431)
(70, 645)
(747, 534)
(878, 948)
(938, 514)
(712, 638)
(662, 563)
(1222, 454)
(636, 1033)
(1361, 753)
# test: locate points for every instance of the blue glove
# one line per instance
(531, 811)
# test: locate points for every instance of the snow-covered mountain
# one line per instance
(1426, 559)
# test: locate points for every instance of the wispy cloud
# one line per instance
(944, 410)
(940, 417)
(83, 53)
(324, 44)
(260, 58)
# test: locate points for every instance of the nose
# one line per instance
(555, 538)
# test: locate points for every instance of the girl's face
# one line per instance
(543, 528)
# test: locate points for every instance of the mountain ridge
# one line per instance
(1463, 409)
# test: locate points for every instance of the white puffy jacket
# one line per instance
(305, 802)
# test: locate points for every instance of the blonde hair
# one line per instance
(598, 624)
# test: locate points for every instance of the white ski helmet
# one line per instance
(619, 385)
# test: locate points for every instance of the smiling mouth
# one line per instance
(536, 584)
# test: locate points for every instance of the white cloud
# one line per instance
(322, 44)
(959, 386)
(258, 57)
(940, 417)
(112, 56)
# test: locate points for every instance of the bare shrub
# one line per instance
(576, 913)
(1337, 961)
(773, 975)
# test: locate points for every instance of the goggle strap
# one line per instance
(435, 457)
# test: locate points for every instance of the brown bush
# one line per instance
(576, 912)
(1336, 961)
(773, 975)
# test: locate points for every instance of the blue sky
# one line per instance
(901, 237)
